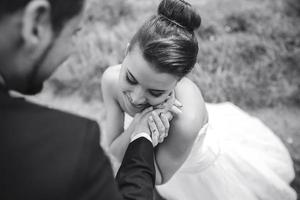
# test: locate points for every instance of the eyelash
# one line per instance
(155, 95)
(132, 82)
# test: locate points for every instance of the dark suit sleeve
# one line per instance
(136, 176)
(97, 180)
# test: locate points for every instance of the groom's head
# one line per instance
(35, 38)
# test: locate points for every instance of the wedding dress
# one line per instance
(235, 157)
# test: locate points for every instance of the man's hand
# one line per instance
(159, 121)
(139, 123)
(159, 126)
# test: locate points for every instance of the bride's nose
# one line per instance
(138, 95)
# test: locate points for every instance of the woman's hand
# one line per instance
(159, 126)
(159, 121)
(171, 104)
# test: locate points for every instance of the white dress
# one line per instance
(235, 157)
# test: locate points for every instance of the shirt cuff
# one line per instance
(142, 134)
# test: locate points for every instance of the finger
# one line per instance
(146, 110)
(175, 110)
(169, 115)
(160, 139)
(177, 103)
(160, 125)
(166, 123)
(158, 122)
(154, 131)
(161, 106)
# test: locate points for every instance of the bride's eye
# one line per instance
(131, 80)
(155, 93)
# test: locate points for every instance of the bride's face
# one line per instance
(141, 86)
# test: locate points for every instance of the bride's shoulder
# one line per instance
(110, 78)
(186, 83)
(189, 93)
(194, 114)
(111, 73)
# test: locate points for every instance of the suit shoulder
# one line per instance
(52, 115)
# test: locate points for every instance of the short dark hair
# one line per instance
(61, 10)
(167, 40)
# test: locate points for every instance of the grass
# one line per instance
(248, 49)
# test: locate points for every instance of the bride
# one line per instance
(202, 151)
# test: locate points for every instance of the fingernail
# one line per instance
(179, 103)
(180, 111)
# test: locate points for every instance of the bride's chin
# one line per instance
(131, 112)
(129, 108)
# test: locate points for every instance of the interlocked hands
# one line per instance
(159, 120)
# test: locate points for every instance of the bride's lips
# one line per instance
(137, 107)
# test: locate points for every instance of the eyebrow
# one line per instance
(154, 90)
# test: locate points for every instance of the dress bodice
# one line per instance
(204, 152)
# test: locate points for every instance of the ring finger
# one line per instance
(158, 122)
(154, 131)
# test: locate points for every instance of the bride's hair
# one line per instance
(167, 39)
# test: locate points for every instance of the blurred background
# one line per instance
(249, 55)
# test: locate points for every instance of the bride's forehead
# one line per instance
(152, 79)
(146, 74)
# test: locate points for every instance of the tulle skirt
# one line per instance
(235, 157)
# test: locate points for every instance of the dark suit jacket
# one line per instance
(49, 154)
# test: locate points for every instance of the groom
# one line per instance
(45, 153)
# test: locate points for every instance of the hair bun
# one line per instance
(181, 12)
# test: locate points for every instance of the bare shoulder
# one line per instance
(184, 128)
(111, 74)
(109, 79)
(194, 114)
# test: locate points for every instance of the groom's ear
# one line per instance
(36, 31)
